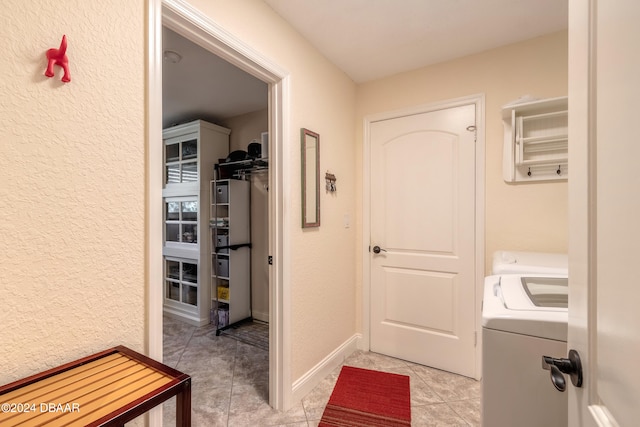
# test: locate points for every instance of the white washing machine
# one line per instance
(524, 317)
(513, 262)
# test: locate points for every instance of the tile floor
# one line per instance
(230, 384)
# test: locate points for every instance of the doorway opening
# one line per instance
(193, 26)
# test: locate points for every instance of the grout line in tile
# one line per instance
(184, 348)
(233, 380)
(458, 414)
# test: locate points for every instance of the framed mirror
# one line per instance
(310, 143)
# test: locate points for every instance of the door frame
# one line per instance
(479, 101)
(193, 25)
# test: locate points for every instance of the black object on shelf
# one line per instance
(233, 247)
(236, 169)
(255, 150)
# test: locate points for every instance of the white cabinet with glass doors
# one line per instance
(190, 152)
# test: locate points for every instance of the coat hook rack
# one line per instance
(58, 57)
(331, 181)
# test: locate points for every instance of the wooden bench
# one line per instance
(109, 388)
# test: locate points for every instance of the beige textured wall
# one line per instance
(322, 99)
(517, 217)
(72, 183)
(246, 127)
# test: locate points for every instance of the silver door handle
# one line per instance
(377, 249)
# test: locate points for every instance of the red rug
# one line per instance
(363, 397)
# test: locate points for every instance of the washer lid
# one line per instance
(507, 306)
(535, 293)
(514, 262)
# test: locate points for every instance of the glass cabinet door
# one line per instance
(190, 161)
(172, 221)
(181, 161)
(181, 220)
(172, 280)
(181, 281)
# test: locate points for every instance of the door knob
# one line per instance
(558, 367)
(377, 249)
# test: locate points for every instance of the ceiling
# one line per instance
(370, 39)
(204, 86)
(367, 39)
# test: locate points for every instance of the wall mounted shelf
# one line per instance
(536, 140)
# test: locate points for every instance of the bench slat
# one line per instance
(117, 384)
(127, 394)
(86, 391)
(52, 388)
(21, 394)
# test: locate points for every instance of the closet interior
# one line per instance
(215, 192)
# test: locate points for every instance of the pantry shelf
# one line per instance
(230, 252)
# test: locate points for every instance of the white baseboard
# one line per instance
(303, 385)
(186, 317)
(261, 316)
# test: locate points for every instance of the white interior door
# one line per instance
(604, 203)
(422, 217)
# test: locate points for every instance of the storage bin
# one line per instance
(223, 293)
(223, 317)
(222, 240)
(222, 269)
(222, 193)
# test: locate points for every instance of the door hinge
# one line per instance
(270, 260)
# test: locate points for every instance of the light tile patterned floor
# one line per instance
(230, 384)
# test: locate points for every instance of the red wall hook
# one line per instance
(59, 57)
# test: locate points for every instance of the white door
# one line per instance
(422, 213)
(604, 203)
